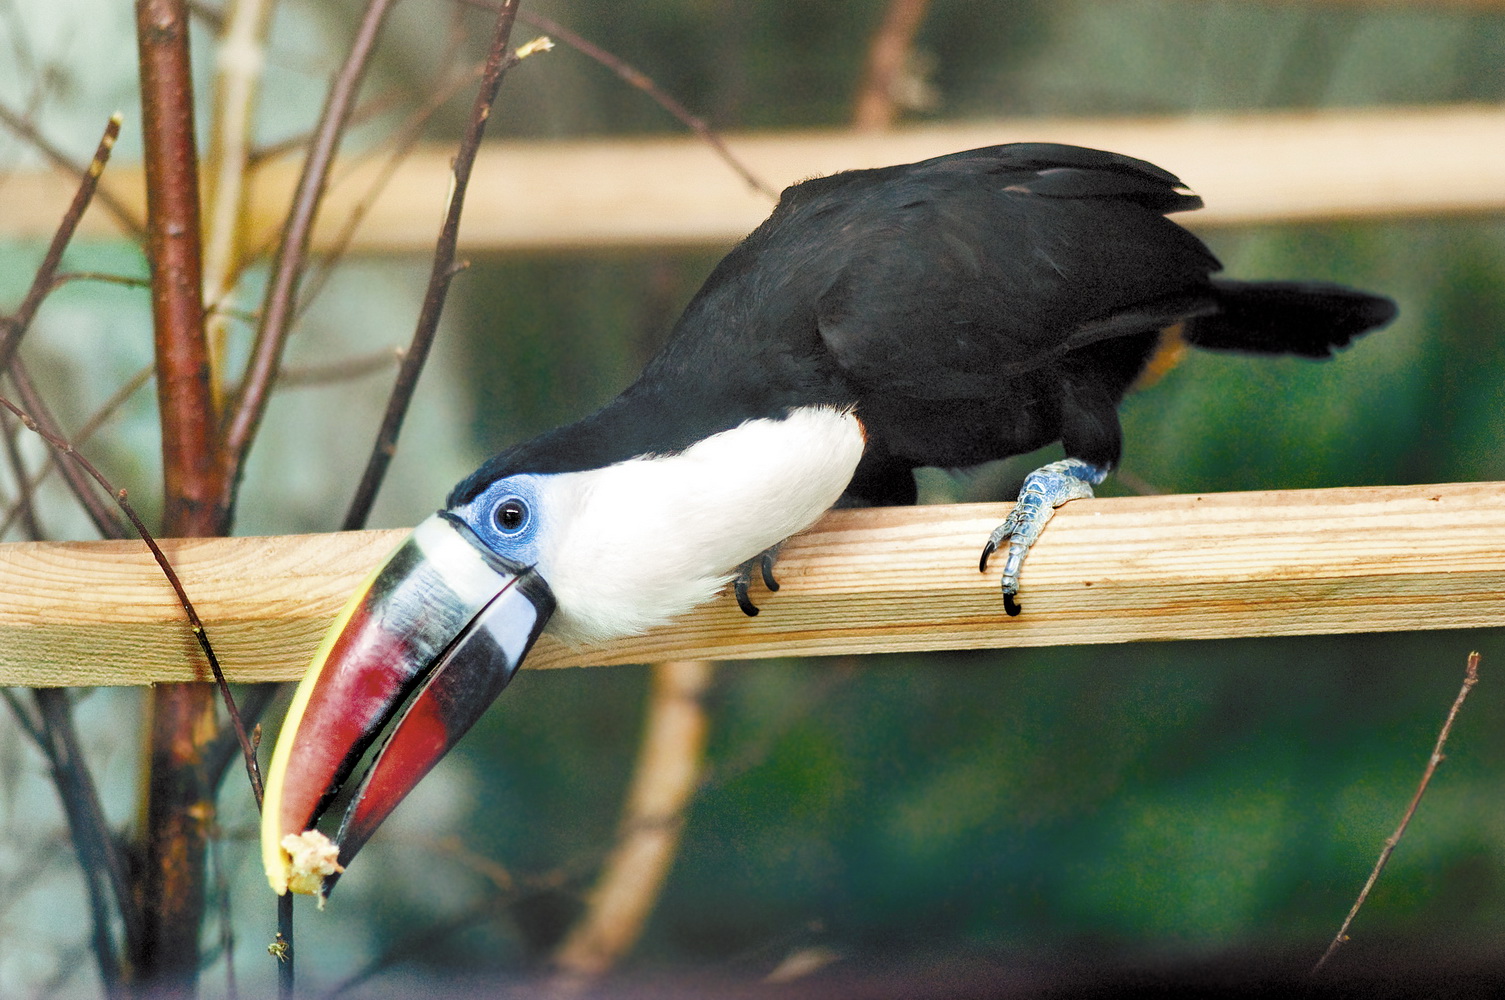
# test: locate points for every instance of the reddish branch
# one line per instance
(280, 305)
(1470, 678)
(193, 469)
(180, 798)
(498, 61)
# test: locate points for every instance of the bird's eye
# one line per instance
(511, 514)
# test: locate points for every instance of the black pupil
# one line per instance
(511, 514)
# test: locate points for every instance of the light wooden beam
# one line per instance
(1250, 168)
(1118, 570)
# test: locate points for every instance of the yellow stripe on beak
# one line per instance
(272, 855)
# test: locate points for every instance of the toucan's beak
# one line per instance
(440, 627)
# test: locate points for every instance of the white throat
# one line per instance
(640, 542)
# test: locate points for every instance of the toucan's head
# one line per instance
(435, 633)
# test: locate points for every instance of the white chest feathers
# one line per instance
(635, 544)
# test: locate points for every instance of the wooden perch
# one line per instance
(1372, 559)
(1250, 168)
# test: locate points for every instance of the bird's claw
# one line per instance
(1043, 491)
(763, 563)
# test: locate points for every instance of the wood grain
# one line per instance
(1117, 570)
(1249, 168)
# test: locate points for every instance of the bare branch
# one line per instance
(372, 107)
(498, 61)
(18, 124)
(23, 508)
(636, 78)
(1470, 678)
(403, 141)
(81, 437)
(251, 707)
(284, 947)
(280, 304)
(102, 277)
(100, 512)
(99, 854)
(14, 328)
(192, 467)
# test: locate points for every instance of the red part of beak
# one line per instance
(443, 617)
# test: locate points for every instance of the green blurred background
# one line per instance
(1127, 804)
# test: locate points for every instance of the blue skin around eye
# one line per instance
(520, 545)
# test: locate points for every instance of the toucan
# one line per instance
(950, 312)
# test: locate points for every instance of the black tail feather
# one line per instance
(1309, 318)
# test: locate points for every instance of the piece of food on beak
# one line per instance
(311, 858)
(440, 627)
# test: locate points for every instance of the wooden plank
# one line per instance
(1253, 167)
(1117, 570)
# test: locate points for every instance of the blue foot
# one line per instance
(1044, 490)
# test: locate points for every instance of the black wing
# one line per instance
(968, 269)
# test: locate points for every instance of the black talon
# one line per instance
(765, 564)
(743, 601)
(987, 550)
(1010, 606)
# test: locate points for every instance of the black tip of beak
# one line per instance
(430, 642)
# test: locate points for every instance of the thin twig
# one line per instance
(1470, 678)
(80, 438)
(284, 946)
(32, 726)
(23, 508)
(253, 771)
(14, 328)
(640, 80)
(253, 703)
(110, 279)
(100, 512)
(403, 140)
(498, 61)
(99, 855)
(341, 370)
(280, 304)
(19, 124)
(369, 109)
